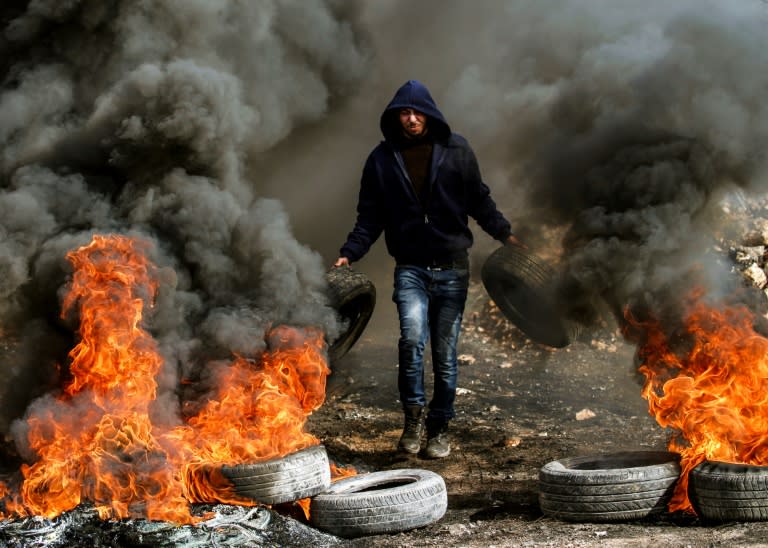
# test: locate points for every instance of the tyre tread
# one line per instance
(349, 508)
(293, 477)
(612, 487)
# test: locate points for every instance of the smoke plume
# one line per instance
(618, 125)
(136, 118)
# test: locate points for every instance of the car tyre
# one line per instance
(604, 488)
(296, 476)
(353, 296)
(524, 288)
(380, 502)
(725, 491)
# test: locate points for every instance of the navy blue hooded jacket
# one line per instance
(436, 232)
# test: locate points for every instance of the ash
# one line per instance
(228, 526)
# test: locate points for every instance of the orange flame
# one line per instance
(337, 473)
(710, 386)
(341, 472)
(97, 441)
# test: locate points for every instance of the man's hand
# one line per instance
(512, 240)
(341, 261)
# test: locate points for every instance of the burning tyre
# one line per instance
(523, 287)
(380, 502)
(353, 296)
(615, 487)
(724, 491)
(293, 477)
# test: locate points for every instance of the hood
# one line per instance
(413, 94)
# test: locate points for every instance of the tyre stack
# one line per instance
(378, 502)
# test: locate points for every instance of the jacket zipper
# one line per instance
(404, 171)
(401, 165)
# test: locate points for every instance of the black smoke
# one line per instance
(232, 135)
(137, 118)
(621, 127)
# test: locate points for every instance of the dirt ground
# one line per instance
(517, 410)
(520, 405)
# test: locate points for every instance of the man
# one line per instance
(419, 186)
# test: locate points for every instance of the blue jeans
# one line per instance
(430, 304)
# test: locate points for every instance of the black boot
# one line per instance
(410, 441)
(438, 445)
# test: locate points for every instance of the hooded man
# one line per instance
(419, 186)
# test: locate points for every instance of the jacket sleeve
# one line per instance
(480, 205)
(369, 224)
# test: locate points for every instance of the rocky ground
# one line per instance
(520, 405)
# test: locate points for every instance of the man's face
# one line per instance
(414, 122)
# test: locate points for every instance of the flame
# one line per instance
(709, 385)
(97, 440)
(341, 472)
(303, 504)
(337, 473)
